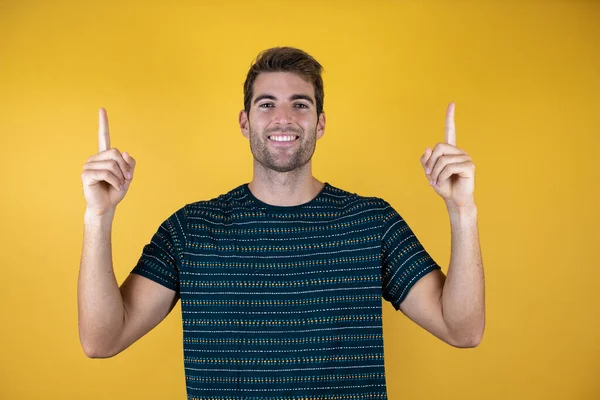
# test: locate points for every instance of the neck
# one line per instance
(284, 188)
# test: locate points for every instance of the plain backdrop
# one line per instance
(525, 77)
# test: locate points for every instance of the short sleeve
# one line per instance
(404, 260)
(161, 258)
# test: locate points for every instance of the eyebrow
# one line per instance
(292, 97)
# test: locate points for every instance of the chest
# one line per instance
(289, 267)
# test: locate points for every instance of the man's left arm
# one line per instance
(452, 307)
(463, 296)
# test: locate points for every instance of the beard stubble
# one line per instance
(269, 157)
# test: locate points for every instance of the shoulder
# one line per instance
(354, 202)
(222, 203)
(219, 209)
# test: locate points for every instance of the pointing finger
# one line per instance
(103, 135)
(450, 131)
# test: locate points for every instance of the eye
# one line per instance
(301, 104)
(265, 104)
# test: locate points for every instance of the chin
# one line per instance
(283, 168)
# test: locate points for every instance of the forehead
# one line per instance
(282, 84)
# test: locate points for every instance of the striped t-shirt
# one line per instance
(284, 303)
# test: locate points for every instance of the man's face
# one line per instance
(283, 126)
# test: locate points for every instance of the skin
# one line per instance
(452, 307)
(111, 318)
(283, 175)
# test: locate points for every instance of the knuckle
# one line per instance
(114, 166)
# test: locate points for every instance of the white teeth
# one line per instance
(283, 138)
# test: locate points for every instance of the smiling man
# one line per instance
(281, 278)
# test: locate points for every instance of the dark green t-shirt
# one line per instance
(285, 302)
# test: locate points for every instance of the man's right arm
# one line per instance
(113, 318)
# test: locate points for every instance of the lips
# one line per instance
(283, 138)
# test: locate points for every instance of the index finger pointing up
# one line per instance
(450, 131)
(103, 135)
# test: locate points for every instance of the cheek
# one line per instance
(256, 126)
(260, 117)
(306, 125)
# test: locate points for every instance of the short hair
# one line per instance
(285, 59)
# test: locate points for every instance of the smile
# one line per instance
(283, 138)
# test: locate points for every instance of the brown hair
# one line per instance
(285, 59)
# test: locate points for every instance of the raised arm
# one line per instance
(453, 307)
(111, 318)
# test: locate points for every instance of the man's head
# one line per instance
(285, 59)
(283, 100)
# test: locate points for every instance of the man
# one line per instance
(281, 279)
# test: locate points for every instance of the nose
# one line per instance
(283, 116)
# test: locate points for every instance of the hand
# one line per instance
(107, 175)
(450, 170)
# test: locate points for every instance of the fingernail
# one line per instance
(427, 171)
(128, 175)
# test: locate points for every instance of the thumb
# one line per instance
(131, 165)
(425, 156)
(129, 160)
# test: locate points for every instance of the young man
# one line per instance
(281, 279)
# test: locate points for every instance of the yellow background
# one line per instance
(525, 77)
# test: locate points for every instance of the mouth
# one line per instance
(283, 138)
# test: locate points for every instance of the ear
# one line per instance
(321, 126)
(244, 124)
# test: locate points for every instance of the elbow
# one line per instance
(98, 343)
(92, 351)
(468, 340)
(468, 343)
